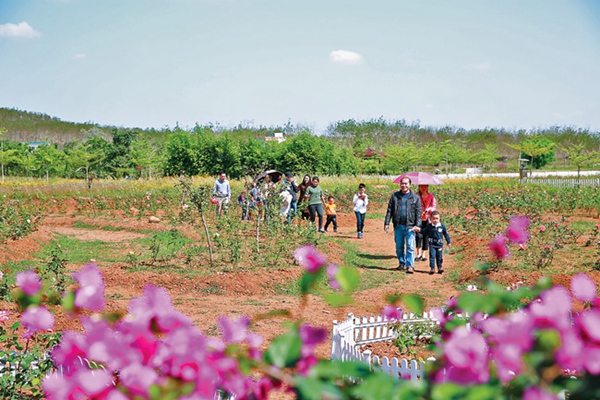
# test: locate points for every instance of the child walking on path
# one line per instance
(330, 212)
(360, 201)
(435, 233)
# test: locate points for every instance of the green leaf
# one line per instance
(377, 386)
(393, 298)
(68, 301)
(326, 369)
(284, 350)
(337, 300)
(414, 303)
(308, 281)
(447, 391)
(16, 325)
(348, 278)
(314, 389)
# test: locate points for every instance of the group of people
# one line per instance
(414, 216)
(308, 197)
(417, 227)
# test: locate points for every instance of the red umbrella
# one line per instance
(420, 178)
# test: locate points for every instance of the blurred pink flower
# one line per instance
(467, 355)
(517, 229)
(234, 331)
(332, 269)
(553, 309)
(1, 275)
(310, 258)
(583, 288)
(498, 246)
(4, 315)
(535, 393)
(468, 217)
(90, 294)
(390, 312)
(310, 337)
(29, 282)
(35, 319)
(542, 228)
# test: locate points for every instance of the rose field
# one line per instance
(255, 301)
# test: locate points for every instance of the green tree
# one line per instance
(540, 149)
(145, 156)
(48, 158)
(400, 158)
(6, 156)
(581, 158)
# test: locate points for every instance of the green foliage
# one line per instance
(22, 368)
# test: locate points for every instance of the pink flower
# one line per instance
(498, 247)
(467, 355)
(557, 224)
(1, 275)
(332, 269)
(552, 309)
(29, 282)
(36, 319)
(471, 288)
(542, 228)
(468, 217)
(535, 393)
(583, 288)
(234, 331)
(4, 315)
(390, 313)
(310, 258)
(90, 294)
(517, 230)
(310, 337)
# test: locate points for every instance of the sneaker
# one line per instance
(440, 271)
(423, 259)
(418, 258)
(400, 267)
(334, 230)
(410, 270)
(360, 235)
(431, 272)
(322, 230)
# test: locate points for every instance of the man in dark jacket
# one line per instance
(404, 209)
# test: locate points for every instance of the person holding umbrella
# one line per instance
(404, 210)
(429, 205)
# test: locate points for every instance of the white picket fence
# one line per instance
(349, 335)
(564, 182)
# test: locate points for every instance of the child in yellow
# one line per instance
(330, 212)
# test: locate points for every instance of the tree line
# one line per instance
(348, 147)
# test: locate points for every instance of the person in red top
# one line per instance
(429, 205)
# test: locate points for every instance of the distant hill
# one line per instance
(26, 126)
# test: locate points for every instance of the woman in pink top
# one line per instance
(429, 204)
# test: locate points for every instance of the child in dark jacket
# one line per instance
(435, 233)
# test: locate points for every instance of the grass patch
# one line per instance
(372, 273)
(82, 251)
(375, 215)
(582, 226)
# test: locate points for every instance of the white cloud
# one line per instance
(345, 57)
(79, 56)
(482, 66)
(18, 30)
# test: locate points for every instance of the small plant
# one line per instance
(411, 334)
(54, 269)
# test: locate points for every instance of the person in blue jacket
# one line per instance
(436, 232)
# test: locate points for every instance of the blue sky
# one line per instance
(154, 63)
